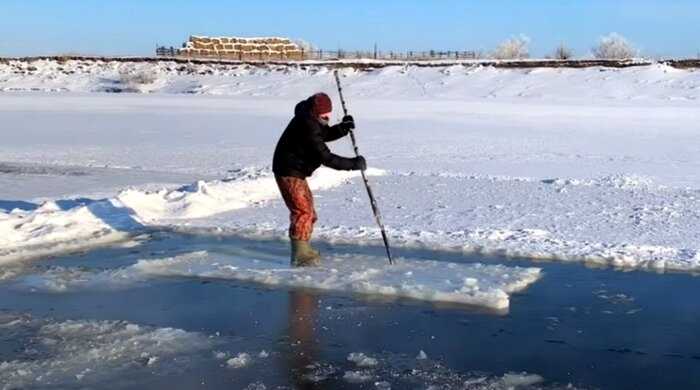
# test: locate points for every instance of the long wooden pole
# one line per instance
(373, 202)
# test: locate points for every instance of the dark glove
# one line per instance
(348, 123)
(359, 164)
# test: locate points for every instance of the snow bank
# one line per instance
(55, 228)
(596, 165)
(203, 199)
(466, 81)
(59, 227)
(90, 353)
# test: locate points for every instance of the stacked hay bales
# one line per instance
(244, 49)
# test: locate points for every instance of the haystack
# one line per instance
(262, 49)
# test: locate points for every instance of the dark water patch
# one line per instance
(9, 205)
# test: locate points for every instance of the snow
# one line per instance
(54, 228)
(592, 165)
(239, 38)
(90, 352)
(455, 82)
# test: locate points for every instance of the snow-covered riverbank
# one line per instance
(597, 165)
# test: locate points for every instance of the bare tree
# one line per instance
(132, 78)
(563, 52)
(305, 46)
(614, 46)
(513, 48)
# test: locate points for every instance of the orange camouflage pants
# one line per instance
(300, 202)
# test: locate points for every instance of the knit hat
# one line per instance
(321, 104)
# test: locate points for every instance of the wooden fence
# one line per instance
(320, 55)
(162, 51)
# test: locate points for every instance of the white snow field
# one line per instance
(596, 165)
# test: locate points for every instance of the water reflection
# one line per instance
(303, 307)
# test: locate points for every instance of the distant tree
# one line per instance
(614, 46)
(132, 79)
(563, 52)
(513, 48)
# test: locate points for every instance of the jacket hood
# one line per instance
(304, 107)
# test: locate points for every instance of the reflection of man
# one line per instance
(302, 318)
(300, 151)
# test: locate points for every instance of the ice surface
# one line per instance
(88, 352)
(590, 165)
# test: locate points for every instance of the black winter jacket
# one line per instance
(301, 149)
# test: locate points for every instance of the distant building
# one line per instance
(246, 49)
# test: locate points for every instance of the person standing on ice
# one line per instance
(300, 151)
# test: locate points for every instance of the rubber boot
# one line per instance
(303, 255)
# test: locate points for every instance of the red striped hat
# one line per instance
(322, 104)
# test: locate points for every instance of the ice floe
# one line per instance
(470, 284)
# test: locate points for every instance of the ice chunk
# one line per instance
(357, 376)
(512, 380)
(241, 360)
(362, 360)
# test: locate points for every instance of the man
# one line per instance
(300, 151)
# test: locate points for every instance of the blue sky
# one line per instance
(133, 27)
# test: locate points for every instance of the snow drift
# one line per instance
(63, 226)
